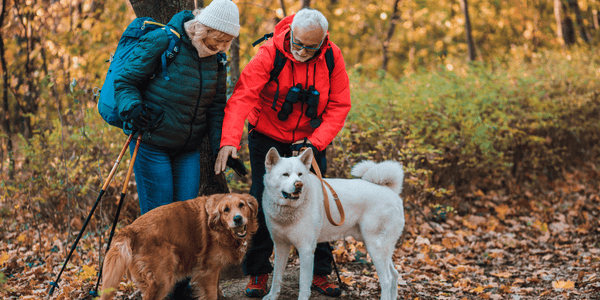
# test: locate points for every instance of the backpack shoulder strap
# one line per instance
(266, 37)
(278, 64)
(172, 49)
(329, 59)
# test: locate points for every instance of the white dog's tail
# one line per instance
(388, 173)
(117, 259)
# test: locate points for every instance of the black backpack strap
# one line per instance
(278, 65)
(330, 61)
(265, 37)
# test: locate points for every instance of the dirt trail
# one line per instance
(234, 283)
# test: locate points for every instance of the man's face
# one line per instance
(303, 39)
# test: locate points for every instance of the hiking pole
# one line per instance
(94, 293)
(54, 284)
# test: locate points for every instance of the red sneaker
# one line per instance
(322, 285)
(257, 287)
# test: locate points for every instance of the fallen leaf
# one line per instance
(563, 284)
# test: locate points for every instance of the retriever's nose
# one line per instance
(237, 219)
(298, 185)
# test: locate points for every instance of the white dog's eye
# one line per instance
(299, 174)
(286, 174)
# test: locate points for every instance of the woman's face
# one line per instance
(217, 40)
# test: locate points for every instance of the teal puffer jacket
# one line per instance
(193, 99)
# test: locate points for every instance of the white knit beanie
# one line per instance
(222, 15)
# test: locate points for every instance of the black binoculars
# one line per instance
(298, 94)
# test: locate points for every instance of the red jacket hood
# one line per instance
(281, 38)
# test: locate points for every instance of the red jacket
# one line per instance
(253, 95)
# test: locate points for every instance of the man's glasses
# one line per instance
(299, 47)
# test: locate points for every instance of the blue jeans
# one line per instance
(164, 177)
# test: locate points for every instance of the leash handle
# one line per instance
(326, 197)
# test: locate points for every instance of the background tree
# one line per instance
(393, 23)
(564, 24)
(464, 4)
(6, 119)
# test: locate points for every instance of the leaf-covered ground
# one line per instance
(526, 244)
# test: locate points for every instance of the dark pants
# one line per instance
(257, 261)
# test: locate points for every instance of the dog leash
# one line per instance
(326, 197)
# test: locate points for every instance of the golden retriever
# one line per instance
(194, 238)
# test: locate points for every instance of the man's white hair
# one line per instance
(308, 17)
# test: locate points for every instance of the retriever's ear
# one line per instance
(252, 204)
(272, 158)
(213, 212)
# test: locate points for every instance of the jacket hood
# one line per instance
(281, 39)
(177, 22)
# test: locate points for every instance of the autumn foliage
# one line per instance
(501, 155)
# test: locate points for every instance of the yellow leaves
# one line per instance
(87, 272)
(502, 211)
(477, 290)
(543, 227)
(502, 274)
(563, 284)
(3, 257)
(469, 224)
(21, 238)
(347, 280)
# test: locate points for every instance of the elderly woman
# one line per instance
(175, 114)
(182, 109)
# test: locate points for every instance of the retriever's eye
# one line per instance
(286, 174)
(241, 204)
(226, 209)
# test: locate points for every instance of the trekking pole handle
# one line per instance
(130, 170)
(114, 168)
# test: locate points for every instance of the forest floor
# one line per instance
(524, 244)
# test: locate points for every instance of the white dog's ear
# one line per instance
(306, 157)
(272, 158)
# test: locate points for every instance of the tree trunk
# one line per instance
(305, 3)
(160, 10)
(574, 7)
(564, 24)
(465, 7)
(163, 11)
(5, 106)
(391, 30)
(282, 3)
(234, 70)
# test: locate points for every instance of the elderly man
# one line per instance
(305, 105)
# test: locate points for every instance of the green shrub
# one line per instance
(483, 126)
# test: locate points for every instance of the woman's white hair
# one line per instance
(308, 17)
(197, 32)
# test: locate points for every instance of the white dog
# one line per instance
(295, 215)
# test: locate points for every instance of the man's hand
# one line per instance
(304, 143)
(222, 157)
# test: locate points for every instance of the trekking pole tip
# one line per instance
(53, 285)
